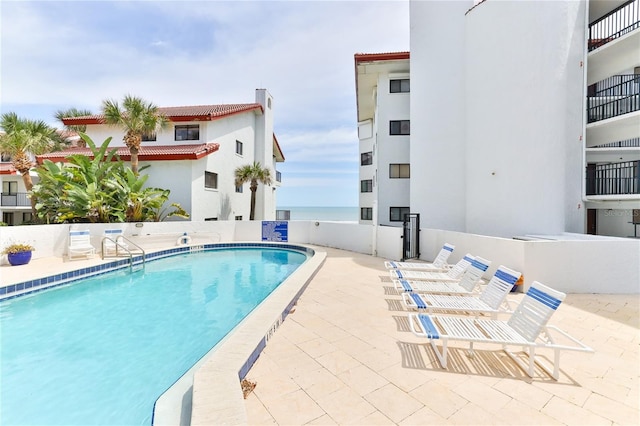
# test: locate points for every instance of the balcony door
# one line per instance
(592, 227)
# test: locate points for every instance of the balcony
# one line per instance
(18, 199)
(613, 96)
(613, 42)
(614, 25)
(613, 179)
(629, 143)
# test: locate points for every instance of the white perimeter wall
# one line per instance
(524, 117)
(437, 112)
(599, 265)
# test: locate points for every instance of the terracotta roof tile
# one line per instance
(180, 113)
(7, 169)
(146, 153)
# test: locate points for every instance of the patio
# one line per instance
(346, 356)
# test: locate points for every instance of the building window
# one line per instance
(7, 217)
(399, 127)
(211, 180)
(366, 158)
(366, 213)
(269, 103)
(401, 171)
(239, 189)
(149, 138)
(238, 147)
(4, 157)
(189, 132)
(238, 217)
(27, 217)
(366, 185)
(399, 86)
(9, 187)
(396, 214)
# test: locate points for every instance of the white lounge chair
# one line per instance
(80, 244)
(113, 242)
(527, 328)
(492, 300)
(466, 285)
(453, 274)
(438, 264)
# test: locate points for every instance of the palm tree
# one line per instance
(137, 118)
(253, 173)
(77, 128)
(24, 137)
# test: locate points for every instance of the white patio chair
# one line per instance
(438, 264)
(467, 284)
(453, 274)
(492, 300)
(80, 244)
(527, 328)
(113, 242)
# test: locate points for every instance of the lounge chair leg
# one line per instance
(470, 352)
(442, 357)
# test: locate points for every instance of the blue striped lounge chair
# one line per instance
(453, 274)
(438, 264)
(467, 284)
(527, 328)
(492, 300)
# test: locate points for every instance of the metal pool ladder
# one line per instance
(124, 251)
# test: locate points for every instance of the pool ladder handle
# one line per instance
(126, 250)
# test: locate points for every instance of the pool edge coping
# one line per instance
(221, 373)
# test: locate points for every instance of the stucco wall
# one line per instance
(437, 112)
(524, 90)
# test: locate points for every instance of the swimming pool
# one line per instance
(103, 351)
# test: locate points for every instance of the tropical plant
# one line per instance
(137, 118)
(17, 248)
(23, 138)
(98, 189)
(73, 112)
(253, 173)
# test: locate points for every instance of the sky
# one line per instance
(60, 54)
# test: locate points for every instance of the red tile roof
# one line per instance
(7, 169)
(370, 57)
(179, 113)
(146, 153)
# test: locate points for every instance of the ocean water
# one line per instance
(350, 214)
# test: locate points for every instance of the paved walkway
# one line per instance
(346, 356)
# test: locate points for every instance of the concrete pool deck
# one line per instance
(345, 355)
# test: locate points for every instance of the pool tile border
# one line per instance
(36, 285)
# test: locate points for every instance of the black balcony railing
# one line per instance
(18, 199)
(615, 24)
(613, 96)
(629, 143)
(613, 179)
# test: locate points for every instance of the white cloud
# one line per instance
(60, 54)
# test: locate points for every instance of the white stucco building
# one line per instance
(196, 156)
(508, 134)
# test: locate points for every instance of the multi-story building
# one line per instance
(612, 139)
(382, 86)
(525, 117)
(195, 158)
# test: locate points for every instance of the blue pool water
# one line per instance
(103, 350)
